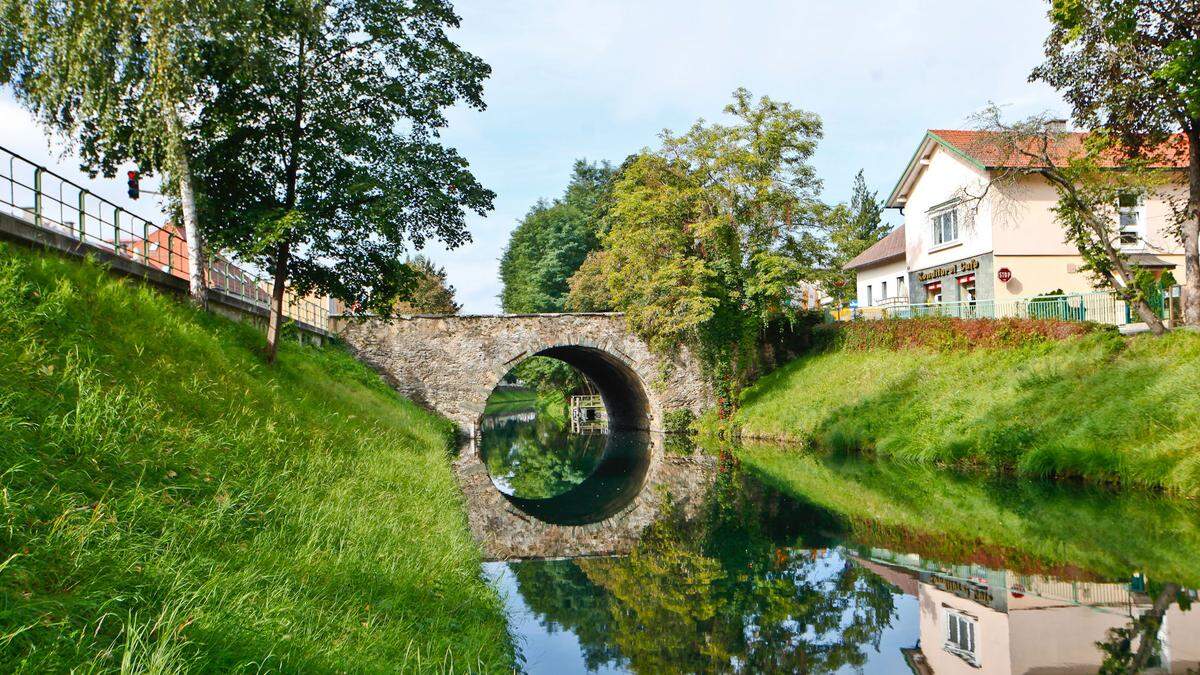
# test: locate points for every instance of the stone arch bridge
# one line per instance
(451, 364)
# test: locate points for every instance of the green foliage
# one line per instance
(1027, 526)
(546, 375)
(325, 155)
(172, 504)
(680, 421)
(694, 249)
(835, 235)
(540, 459)
(429, 293)
(589, 286)
(117, 77)
(1131, 69)
(1099, 407)
(552, 241)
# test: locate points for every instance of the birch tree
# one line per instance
(122, 80)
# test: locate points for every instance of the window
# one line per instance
(960, 636)
(883, 290)
(1129, 221)
(870, 296)
(900, 287)
(945, 226)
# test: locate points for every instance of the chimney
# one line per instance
(1057, 125)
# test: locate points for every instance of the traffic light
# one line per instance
(134, 191)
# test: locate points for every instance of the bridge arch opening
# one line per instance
(545, 460)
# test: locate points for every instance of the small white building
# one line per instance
(968, 237)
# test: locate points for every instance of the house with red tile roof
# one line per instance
(968, 237)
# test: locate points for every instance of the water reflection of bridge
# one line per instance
(507, 528)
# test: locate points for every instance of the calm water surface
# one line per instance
(744, 578)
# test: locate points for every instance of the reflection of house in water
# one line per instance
(978, 620)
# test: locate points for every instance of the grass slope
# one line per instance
(1099, 407)
(169, 502)
(1029, 526)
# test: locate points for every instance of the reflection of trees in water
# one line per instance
(539, 458)
(704, 594)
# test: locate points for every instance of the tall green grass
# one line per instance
(168, 502)
(1100, 407)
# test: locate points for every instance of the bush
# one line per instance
(947, 333)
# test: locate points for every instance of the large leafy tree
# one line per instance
(1131, 68)
(124, 80)
(552, 241)
(322, 162)
(697, 231)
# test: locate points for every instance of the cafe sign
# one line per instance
(951, 270)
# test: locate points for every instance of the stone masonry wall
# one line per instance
(451, 363)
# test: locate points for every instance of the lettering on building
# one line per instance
(951, 270)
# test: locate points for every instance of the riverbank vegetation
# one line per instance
(170, 502)
(1098, 406)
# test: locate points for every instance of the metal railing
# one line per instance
(1099, 306)
(48, 201)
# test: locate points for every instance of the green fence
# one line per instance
(1100, 307)
(48, 201)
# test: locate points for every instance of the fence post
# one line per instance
(146, 243)
(37, 196)
(82, 213)
(170, 251)
(117, 231)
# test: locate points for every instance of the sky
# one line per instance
(600, 79)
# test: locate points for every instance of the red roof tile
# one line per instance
(984, 148)
(891, 247)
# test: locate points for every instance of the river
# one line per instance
(765, 559)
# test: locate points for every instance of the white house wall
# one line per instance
(946, 177)
(874, 277)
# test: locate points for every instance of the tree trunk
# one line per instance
(1191, 233)
(1124, 277)
(292, 175)
(197, 288)
(1152, 622)
(275, 322)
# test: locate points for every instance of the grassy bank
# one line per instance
(1024, 525)
(170, 502)
(1096, 406)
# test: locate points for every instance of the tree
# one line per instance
(1131, 68)
(697, 228)
(124, 80)
(551, 242)
(323, 162)
(430, 293)
(835, 235)
(589, 287)
(1089, 192)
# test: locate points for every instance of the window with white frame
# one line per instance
(883, 290)
(1129, 219)
(945, 226)
(870, 295)
(900, 287)
(960, 636)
